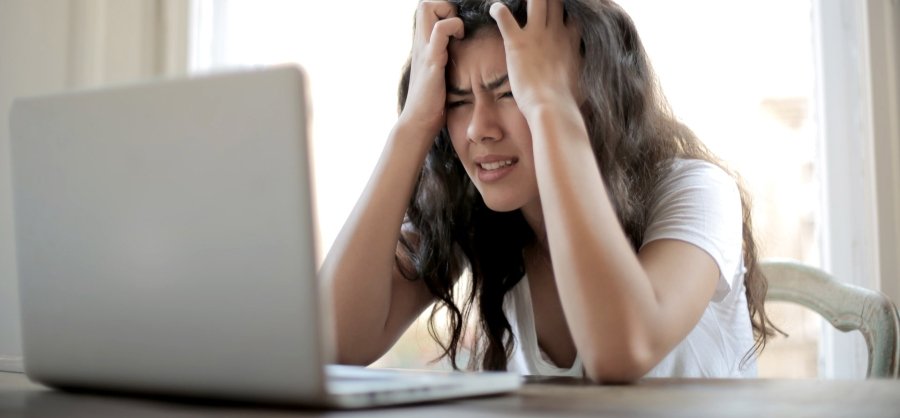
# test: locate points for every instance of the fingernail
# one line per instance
(495, 7)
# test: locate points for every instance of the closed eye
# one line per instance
(506, 95)
(456, 103)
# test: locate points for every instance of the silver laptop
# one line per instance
(166, 245)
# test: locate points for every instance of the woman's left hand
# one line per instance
(542, 58)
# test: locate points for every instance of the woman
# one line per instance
(534, 149)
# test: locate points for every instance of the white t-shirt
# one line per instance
(698, 203)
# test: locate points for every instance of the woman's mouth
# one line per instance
(495, 165)
(495, 170)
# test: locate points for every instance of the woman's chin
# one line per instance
(501, 205)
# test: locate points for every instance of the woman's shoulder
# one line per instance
(695, 177)
(696, 199)
(698, 202)
(692, 168)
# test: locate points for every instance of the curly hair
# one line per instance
(634, 136)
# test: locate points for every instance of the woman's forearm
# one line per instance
(610, 305)
(361, 261)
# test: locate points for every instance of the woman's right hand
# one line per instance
(436, 22)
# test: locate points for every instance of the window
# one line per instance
(741, 74)
(353, 62)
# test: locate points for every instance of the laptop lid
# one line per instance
(165, 237)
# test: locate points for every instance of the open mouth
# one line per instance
(495, 169)
(496, 165)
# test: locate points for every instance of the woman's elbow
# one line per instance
(353, 360)
(355, 357)
(626, 365)
(353, 352)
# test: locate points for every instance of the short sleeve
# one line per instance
(699, 203)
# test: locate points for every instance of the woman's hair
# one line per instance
(634, 137)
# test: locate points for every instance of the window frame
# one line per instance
(858, 139)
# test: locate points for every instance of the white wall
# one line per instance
(33, 41)
(48, 46)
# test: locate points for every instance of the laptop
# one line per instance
(166, 245)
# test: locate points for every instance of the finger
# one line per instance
(504, 18)
(442, 9)
(537, 12)
(428, 13)
(555, 13)
(443, 30)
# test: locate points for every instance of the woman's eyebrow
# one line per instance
(491, 85)
(494, 85)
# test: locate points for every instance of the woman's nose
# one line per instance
(485, 124)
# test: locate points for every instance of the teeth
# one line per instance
(495, 165)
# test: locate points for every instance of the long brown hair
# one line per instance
(634, 136)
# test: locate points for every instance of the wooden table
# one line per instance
(538, 398)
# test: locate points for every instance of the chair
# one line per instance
(845, 306)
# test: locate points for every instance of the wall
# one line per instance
(49, 46)
(32, 42)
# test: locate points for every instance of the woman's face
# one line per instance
(489, 133)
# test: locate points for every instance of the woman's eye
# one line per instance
(506, 95)
(456, 103)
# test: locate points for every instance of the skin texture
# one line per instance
(511, 94)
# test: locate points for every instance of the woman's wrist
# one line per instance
(411, 137)
(547, 101)
(557, 112)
